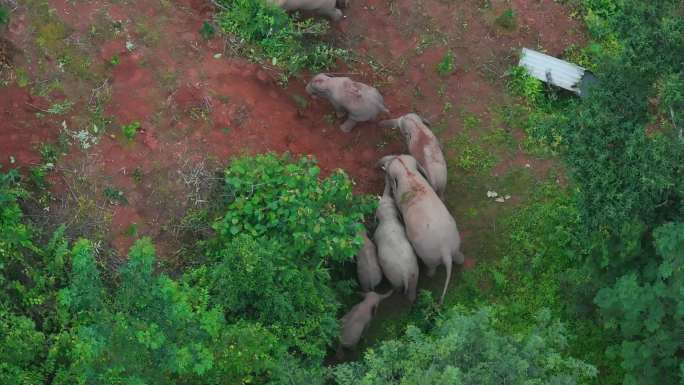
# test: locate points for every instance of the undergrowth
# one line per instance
(271, 37)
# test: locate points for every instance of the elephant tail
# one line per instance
(447, 264)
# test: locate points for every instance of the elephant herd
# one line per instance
(413, 221)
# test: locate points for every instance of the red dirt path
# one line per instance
(192, 105)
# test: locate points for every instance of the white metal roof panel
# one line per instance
(550, 69)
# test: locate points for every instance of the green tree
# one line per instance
(623, 150)
(647, 308)
(30, 275)
(465, 348)
(155, 330)
(284, 233)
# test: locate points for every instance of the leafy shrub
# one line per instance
(153, 329)
(521, 84)
(627, 170)
(30, 275)
(129, 130)
(207, 31)
(274, 37)
(21, 348)
(647, 308)
(283, 234)
(4, 16)
(465, 348)
(506, 20)
(283, 199)
(446, 65)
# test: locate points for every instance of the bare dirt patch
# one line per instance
(194, 106)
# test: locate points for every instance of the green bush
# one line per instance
(507, 20)
(284, 231)
(4, 16)
(446, 65)
(30, 275)
(465, 348)
(647, 309)
(155, 330)
(273, 37)
(622, 149)
(521, 84)
(129, 130)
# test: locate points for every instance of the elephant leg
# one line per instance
(348, 125)
(339, 110)
(334, 14)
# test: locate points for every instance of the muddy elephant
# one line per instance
(367, 267)
(395, 254)
(429, 226)
(327, 8)
(360, 102)
(424, 146)
(356, 321)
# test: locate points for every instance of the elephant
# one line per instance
(395, 254)
(361, 102)
(367, 268)
(356, 321)
(327, 8)
(424, 146)
(429, 226)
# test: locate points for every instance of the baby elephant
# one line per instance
(360, 102)
(367, 267)
(424, 146)
(395, 254)
(356, 321)
(327, 8)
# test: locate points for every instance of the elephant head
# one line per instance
(318, 86)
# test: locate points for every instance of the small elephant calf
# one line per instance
(327, 8)
(395, 254)
(356, 321)
(359, 101)
(367, 267)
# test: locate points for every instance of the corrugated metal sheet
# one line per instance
(552, 70)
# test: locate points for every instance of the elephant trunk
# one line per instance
(389, 123)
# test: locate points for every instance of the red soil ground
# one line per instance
(193, 106)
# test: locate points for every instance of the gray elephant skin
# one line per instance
(424, 146)
(367, 267)
(359, 101)
(395, 254)
(327, 8)
(356, 321)
(429, 226)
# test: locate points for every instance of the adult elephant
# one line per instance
(430, 227)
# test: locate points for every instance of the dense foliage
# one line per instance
(273, 37)
(30, 276)
(623, 148)
(465, 348)
(258, 306)
(283, 232)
